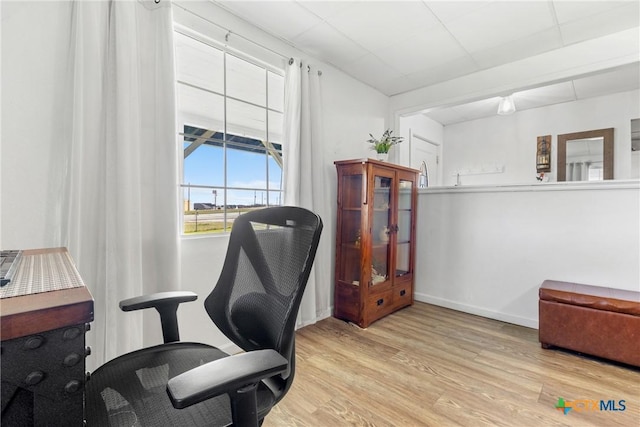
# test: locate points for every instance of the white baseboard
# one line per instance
(319, 316)
(324, 314)
(479, 311)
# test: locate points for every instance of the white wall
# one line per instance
(485, 250)
(510, 141)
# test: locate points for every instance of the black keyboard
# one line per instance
(9, 261)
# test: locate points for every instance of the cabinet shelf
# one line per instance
(375, 277)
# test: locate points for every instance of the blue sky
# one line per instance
(205, 166)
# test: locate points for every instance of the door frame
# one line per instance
(438, 147)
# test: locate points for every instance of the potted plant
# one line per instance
(382, 145)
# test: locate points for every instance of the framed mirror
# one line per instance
(585, 156)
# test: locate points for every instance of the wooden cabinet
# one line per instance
(375, 239)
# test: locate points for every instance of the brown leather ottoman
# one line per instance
(599, 321)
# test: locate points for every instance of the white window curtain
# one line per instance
(120, 198)
(305, 176)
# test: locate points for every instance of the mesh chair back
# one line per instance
(268, 262)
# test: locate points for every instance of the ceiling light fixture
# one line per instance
(507, 106)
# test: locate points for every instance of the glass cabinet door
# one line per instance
(381, 229)
(351, 238)
(403, 238)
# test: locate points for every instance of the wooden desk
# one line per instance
(43, 342)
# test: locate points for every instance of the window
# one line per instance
(230, 118)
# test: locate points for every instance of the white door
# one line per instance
(423, 150)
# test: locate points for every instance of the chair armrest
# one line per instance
(224, 375)
(153, 300)
(166, 303)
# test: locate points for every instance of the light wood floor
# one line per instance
(430, 366)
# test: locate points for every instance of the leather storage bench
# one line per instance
(594, 320)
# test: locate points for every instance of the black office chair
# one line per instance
(255, 304)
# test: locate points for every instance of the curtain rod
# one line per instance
(229, 32)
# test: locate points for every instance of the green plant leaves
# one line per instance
(387, 141)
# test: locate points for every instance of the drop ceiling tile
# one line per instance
(324, 42)
(285, 19)
(567, 11)
(397, 86)
(425, 48)
(546, 95)
(408, 36)
(623, 79)
(371, 70)
(514, 50)
(606, 22)
(326, 9)
(375, 24)
(496, 22)
(456, 68)
(449, 10)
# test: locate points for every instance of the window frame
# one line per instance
(269, 148)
